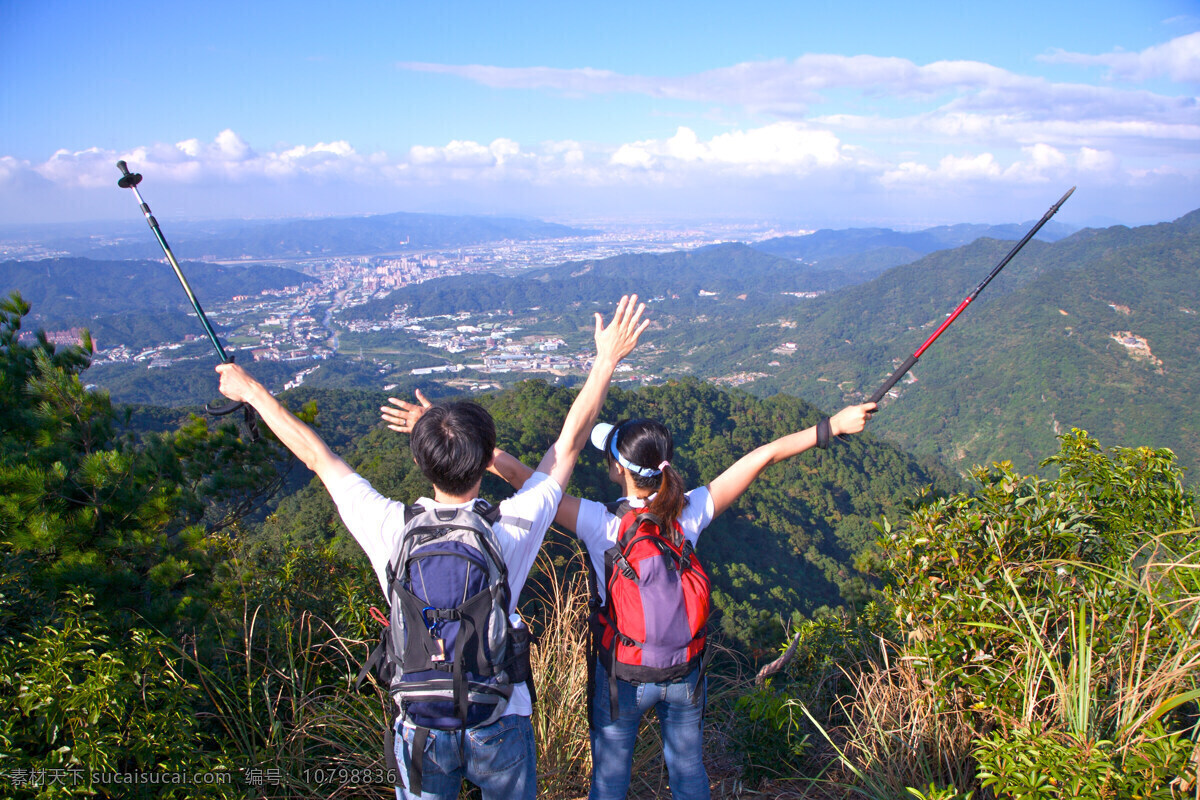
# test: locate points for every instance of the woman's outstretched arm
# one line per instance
(731, 484)
(514, 472)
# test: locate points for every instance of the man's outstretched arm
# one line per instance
(237, 384)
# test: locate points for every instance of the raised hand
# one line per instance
(620, 337)
(401, 416)
(851, 419)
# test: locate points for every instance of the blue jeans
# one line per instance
(499, 758)
(680, 715)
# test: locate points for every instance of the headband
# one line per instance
(605, 434)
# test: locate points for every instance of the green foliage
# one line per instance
(769, 731)
(975, 579)
(1030, 764)
(290, 634)
(78, 699)
(86, 504)
(1045, 640)
(781, 552)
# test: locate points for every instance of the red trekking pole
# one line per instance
(908, 364)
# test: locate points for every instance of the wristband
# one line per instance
(823, 433)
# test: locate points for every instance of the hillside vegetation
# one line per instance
(1097, 331)
(1034, 638)
(131, 302)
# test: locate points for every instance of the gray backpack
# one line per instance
(449, 654)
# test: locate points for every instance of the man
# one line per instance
(453, 446)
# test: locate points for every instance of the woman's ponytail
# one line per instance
(668, 503)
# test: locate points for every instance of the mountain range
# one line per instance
(382, 233)
(131, 302)
(1097, 330)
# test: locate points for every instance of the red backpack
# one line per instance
(652, 627)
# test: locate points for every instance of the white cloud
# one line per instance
(738, 170)
(1178, 59)
(1039, 163)
(787, 89)
(1096, 161)
(785, 149)
(782, 147)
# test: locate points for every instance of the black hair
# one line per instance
(648, 443)
(453, 444)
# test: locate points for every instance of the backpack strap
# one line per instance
(618, 508)
(389, 754)
(614, 706)
(376, 657)
(416, 760)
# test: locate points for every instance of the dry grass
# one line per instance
(896, 736)
(559, 659)
(560, 716)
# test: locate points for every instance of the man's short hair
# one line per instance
(453, 444)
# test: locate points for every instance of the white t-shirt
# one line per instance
(598, 528)
(377, 524)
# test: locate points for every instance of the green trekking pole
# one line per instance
(130, 180)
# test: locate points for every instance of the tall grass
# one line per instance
(894, 732)
(281, 696)
(1102, 670)
(1110, 669)
(559, 658)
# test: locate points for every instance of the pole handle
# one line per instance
(893, 378)
(128, 180)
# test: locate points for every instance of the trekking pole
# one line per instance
(130, 180)
(908, 364)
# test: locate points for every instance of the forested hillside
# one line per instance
(1097, 331)
(787, 548)
(131, 302)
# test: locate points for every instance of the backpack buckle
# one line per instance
(435, 633)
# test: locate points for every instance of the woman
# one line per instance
(639, 461)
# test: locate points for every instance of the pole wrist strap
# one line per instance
(823, 433)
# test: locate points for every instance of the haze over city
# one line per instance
(816, 115)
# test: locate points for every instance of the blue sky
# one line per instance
(802, 114)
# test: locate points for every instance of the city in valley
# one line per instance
(325, 316)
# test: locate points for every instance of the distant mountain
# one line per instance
(1072, 333)
(383, 233)
(688, 278)
(1097, 331)
(862, 253)
(131, 302)
(825, 243)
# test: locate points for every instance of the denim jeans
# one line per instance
(680, 715)
(499, 758)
